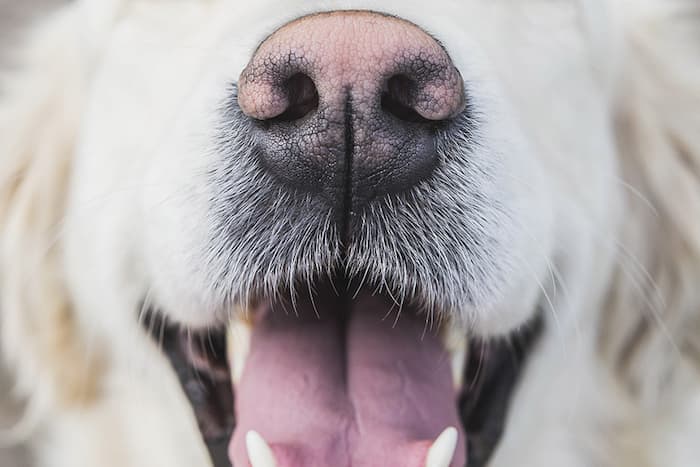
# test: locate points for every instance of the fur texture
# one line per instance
(122, 181)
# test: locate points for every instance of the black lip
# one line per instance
(491, 374)
(200, 362)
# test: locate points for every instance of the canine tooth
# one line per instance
(456, 345)
(238, 347)
(259, 453)
(442, 451)
(457, 363)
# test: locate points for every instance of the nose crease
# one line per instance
(346, 213)
(350, 103)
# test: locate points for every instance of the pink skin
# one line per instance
(372, 391)
(401, 386)
(350, 49)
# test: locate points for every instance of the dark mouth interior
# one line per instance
(199, 360)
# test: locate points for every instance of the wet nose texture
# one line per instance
(347, 105)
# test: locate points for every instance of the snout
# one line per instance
(347, 104)
(355, 214)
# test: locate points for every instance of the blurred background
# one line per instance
(15, 16)
(12, 12)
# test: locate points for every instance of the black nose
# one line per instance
(347, 105)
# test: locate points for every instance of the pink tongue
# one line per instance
(326, 391)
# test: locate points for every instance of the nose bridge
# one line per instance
(356, 50)
(353, 50)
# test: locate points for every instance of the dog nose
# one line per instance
(347, 104)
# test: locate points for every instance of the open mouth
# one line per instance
(344, 378)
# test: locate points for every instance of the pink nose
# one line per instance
(348, 102)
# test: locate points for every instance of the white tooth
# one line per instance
(453, 338)
(259, 453)
(238, 347)
(442, 451)
(457, 362)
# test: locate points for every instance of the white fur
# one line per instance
(591, 107)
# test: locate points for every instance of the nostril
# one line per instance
(397, 98)
(302, 97)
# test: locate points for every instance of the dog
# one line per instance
(359, 233)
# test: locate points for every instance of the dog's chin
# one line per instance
(335, 353)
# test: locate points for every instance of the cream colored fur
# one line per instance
(615, 381)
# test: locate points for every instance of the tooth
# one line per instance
(259, 453)
(238, 347)
(456, 345)
(457, 363)
(442, 451)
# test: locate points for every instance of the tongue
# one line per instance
(326, 386)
